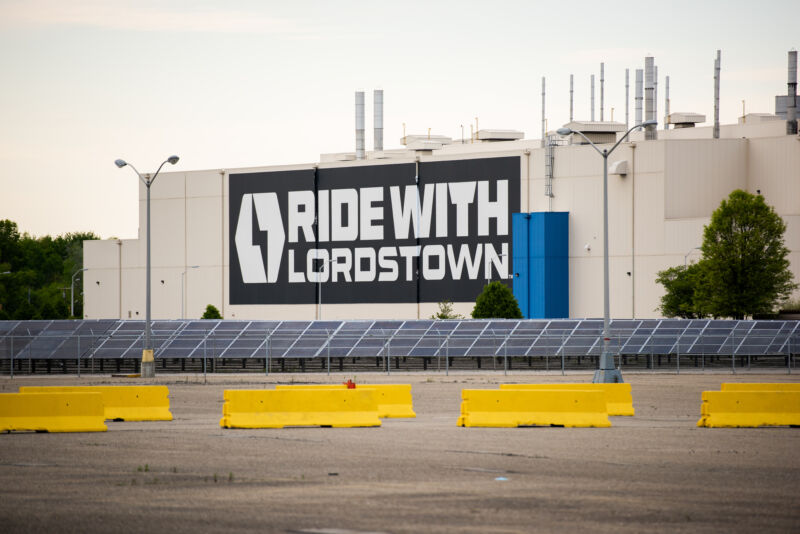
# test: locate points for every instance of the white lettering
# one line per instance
(441, 210)
(406, 213)
(385, 263)
(409, 253)
(294, 276)
(499, 261)
(462, 195)
(344, 198)
(301, 218)
(342, 267)
(324, 222)
(317, 256)
(456, 265)
(368, 274)
(497, 210)
(370, 213)
(433, 273)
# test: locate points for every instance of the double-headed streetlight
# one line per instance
(148, 363)
(607, 371)
(72, 291)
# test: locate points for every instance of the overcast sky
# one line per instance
(244, 83)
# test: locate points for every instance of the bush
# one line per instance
(496, 301)
(211, 313)
(446, 311)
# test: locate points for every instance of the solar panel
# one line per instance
(245, 346)
(421, 338)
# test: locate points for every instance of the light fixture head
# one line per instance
(120, 163)
(173, 159)
(564, 131)
(650, 123)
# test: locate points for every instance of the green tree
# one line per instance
(39, 271)
(681, 284)
(446, 311)
(496, 301)
(744, 270)
(211, 313)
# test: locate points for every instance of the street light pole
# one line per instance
(686, 256)
(489, 269)
(183, 284)
(148, 363)
(72, 292)
(319, 285)
(607, 372)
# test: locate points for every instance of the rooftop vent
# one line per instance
(685, 120)
(425, 142)
(500, 135)
(754, 118)
(597, 131)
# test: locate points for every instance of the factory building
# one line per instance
(388, 234)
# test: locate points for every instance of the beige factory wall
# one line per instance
(100, 286)
(656, 216)
(701, 173)
(773, 167)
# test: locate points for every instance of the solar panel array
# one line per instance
(414, 338)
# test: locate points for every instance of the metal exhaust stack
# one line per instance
(627, 97)
(592, 100)
(639, 94)
(717, 65)
(791, 106)
(571, 91)
(602, 89)
(359, 124)
(544, 121)
(655, 92)
(649, 109)
(666, 104)
(377, 119)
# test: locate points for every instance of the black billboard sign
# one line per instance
(372, 233)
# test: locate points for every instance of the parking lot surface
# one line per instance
(656, 471)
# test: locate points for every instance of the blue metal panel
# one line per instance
(546, 248)
(520, 266)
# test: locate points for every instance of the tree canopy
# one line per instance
(211, 313)
(744, 270)
(496, 301)
(680, 284)
(36, 273)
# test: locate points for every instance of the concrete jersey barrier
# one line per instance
(51, 412)
(394, 400)
(122, 403)
(521, 407)
(618, 396)
(760, 386)
(749, 409)
(278, 408)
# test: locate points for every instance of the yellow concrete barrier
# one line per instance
(51, 412)
(760, 386)
(749, 408)
(394, 400)
(521, 407)
(618, 396)
(278, 408)
(122, 403)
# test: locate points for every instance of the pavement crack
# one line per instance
(500, 453)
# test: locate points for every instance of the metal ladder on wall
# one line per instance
(552, 141)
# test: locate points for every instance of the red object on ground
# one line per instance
(350, 384)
